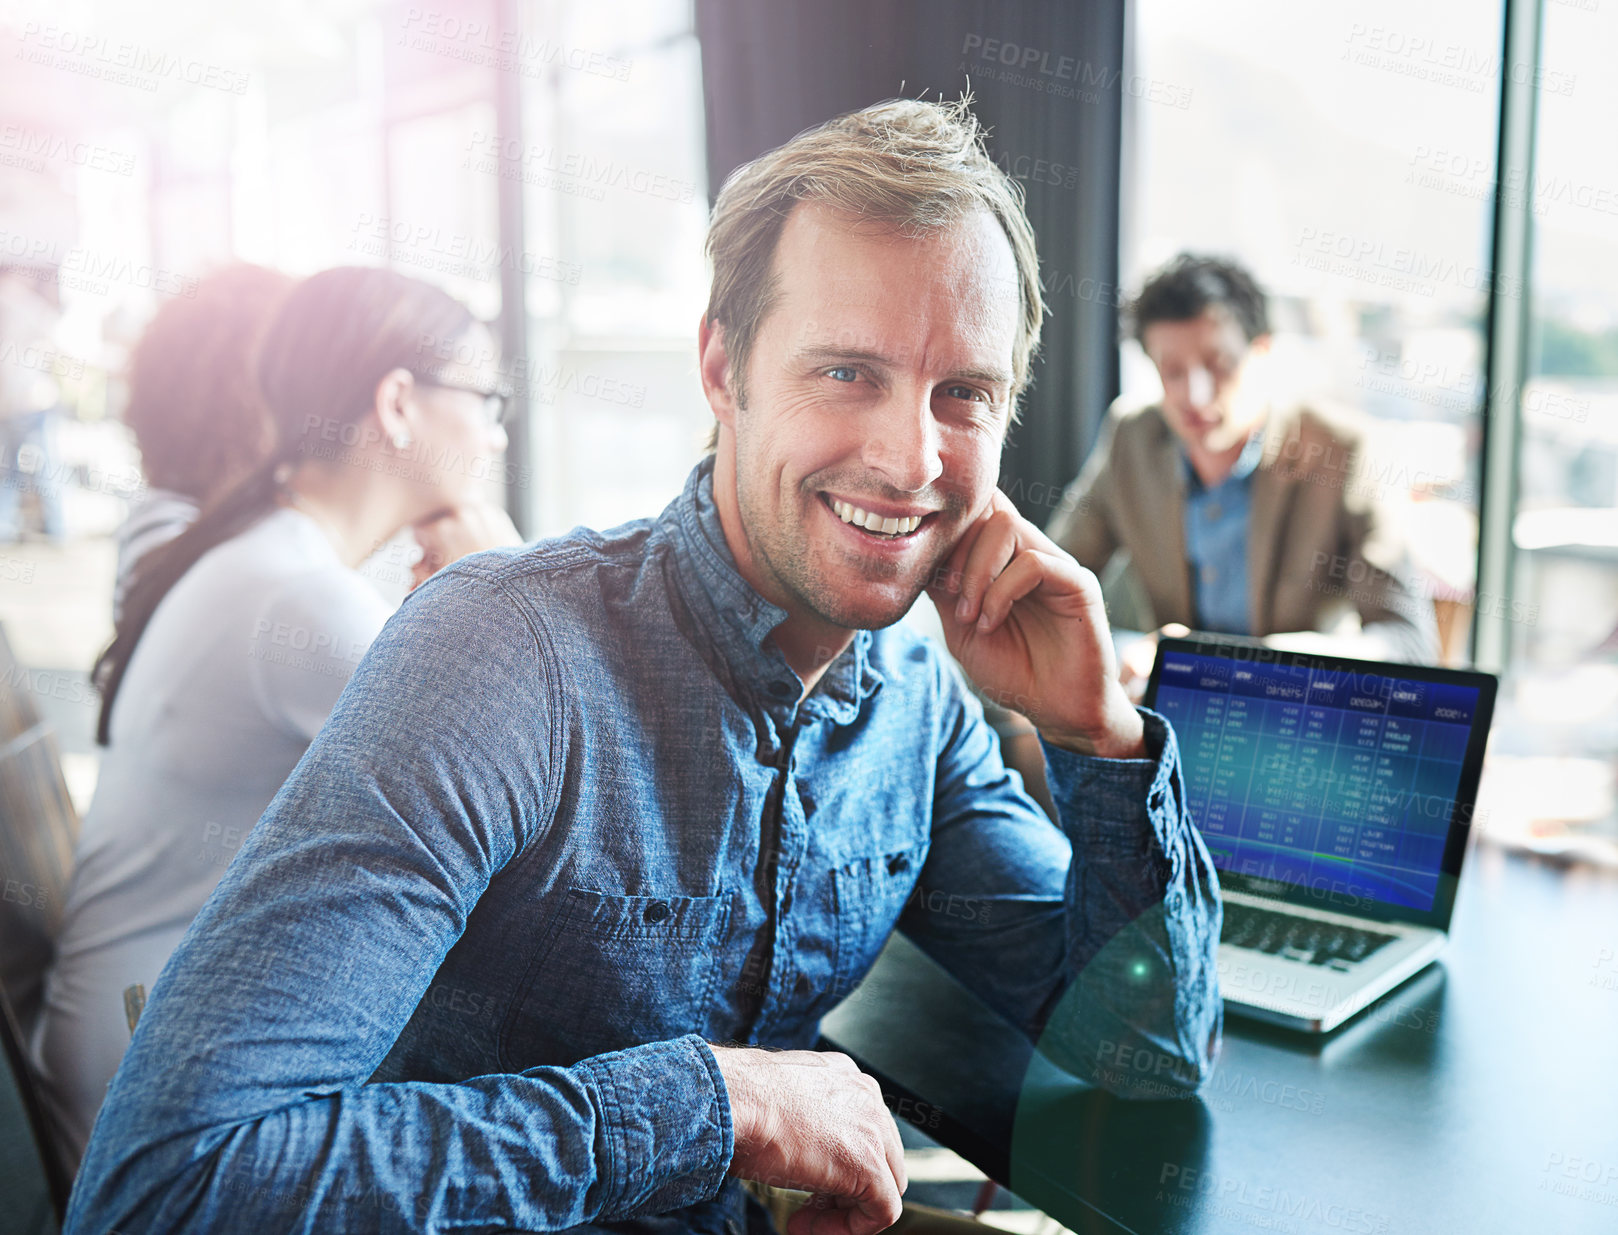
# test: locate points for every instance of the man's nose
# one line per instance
(1199, 388)
(903, 444)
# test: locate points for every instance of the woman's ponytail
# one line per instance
(237, 509)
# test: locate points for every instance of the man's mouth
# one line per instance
(885, 527)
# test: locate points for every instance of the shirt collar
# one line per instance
(736, 621)
(1246, 463)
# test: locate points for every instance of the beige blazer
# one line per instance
(1321, 548)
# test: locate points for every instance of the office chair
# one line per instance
(38, 831)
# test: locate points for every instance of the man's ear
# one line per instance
(713, 363)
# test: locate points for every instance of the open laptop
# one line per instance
(1336, 797)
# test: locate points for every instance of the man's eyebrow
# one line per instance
(990, 377)
(821, 353)
(826, 353)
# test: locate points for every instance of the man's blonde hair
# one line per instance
(916, 166)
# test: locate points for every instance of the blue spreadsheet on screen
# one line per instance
(1324, 777)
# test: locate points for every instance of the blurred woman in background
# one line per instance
(237, 637)
(193, 406)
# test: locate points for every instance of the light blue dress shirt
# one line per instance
(1216, 541)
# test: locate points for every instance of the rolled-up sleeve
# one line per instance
(1097, 935)
(243, 1102)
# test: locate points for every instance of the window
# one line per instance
(1559, 725)
(1343, 152)
(616, 211)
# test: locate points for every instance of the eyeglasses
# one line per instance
(496, 403)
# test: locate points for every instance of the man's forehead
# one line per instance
(973, 247)
(1216, 325)
(838, 269)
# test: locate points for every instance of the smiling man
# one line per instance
(540, 932)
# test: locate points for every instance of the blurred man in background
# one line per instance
(1241, 513)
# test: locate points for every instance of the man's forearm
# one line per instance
(637, 1131)
(1144, 927)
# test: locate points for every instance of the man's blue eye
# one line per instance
(851, 373)
(963, 392)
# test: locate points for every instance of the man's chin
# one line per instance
(1206, 436)
(874, 610)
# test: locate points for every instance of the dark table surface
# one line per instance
(1480, 1096)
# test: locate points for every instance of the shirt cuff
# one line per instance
(666, 1138)
(1097, 798)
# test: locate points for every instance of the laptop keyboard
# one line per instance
(1299, 939)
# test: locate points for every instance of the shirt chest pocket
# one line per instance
(617, 971)
(870, 894)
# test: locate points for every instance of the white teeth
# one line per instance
(874, 523)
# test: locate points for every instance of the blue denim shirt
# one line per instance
(568, 824)
(1216, 542)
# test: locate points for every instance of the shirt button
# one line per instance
(657, 911)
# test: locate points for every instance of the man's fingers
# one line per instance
(982, 553)
(947, 577)
(879, 1208)
(1026, 572)
(826, 1214)
(830, 1215)
(994, 546)
(1138, 657)
(896, 1157)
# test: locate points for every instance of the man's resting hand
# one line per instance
(813, 1121)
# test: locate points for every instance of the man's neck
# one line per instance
(1213, 468)
(808, 643)
(809, 652)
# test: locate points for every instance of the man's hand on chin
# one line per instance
(1024, 619)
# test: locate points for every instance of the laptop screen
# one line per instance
(1321, 773)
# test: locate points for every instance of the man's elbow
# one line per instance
(1147, 1071)
(1132, 1063)
(134, 1184)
